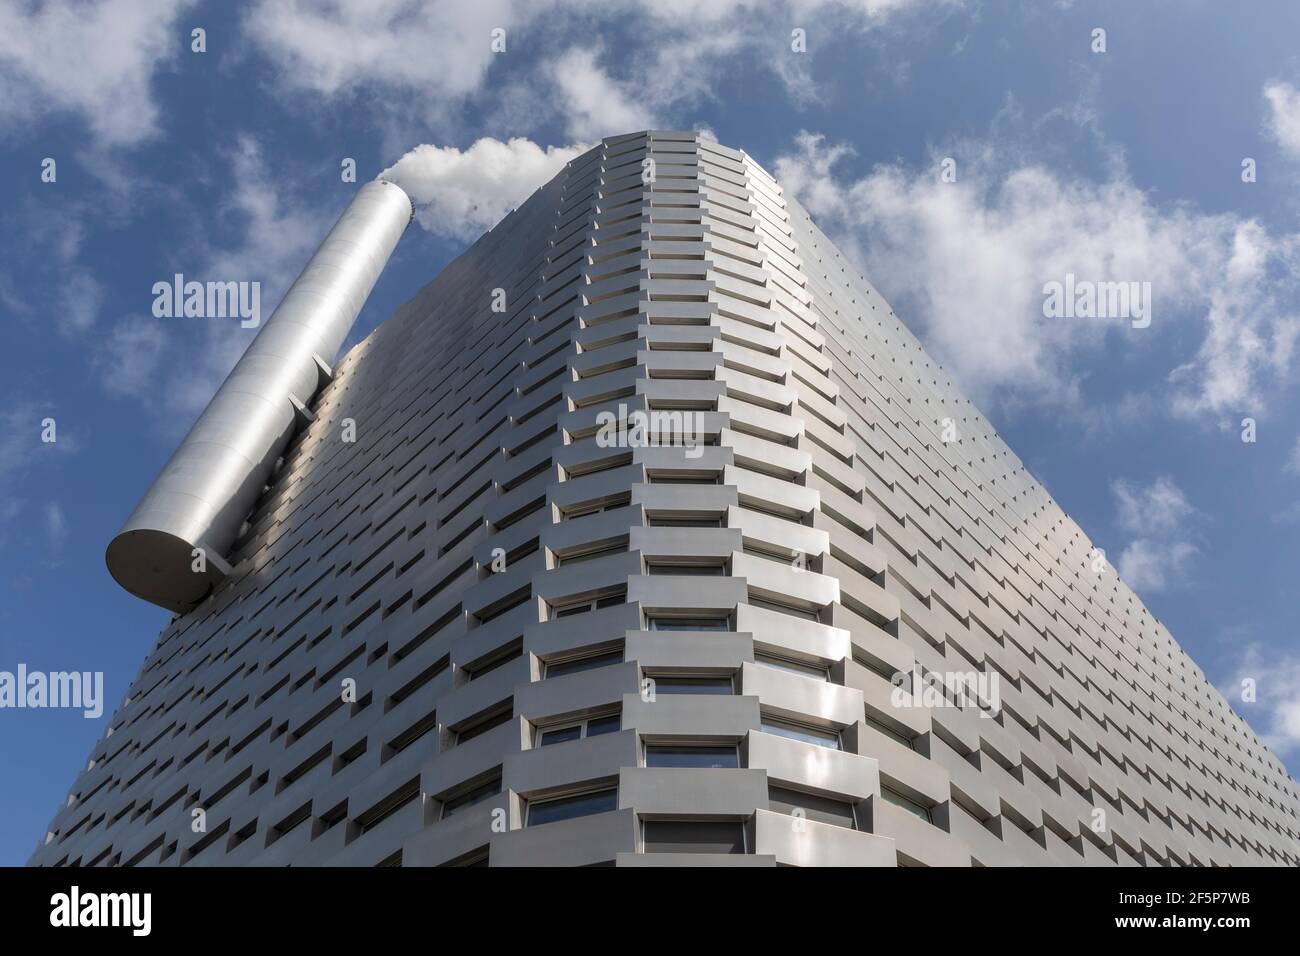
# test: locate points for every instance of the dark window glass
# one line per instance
(809, 735)
(578, 664)
(821, 809)
(483, 726)
(575, 609)
(566, 808)
(891, 733)
(685, 522)
(560, 735)
(471, 797)
(724, 757)
(683, 569)
(603, 725)
(688, 624)
(662, 836)
(692, 685)
(911, 806)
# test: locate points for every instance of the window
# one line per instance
(659, 567)
(590, 554)
(822, 809)
(656, 623)
(809, 735)
(456, 803)
(567, 808)
(656, 522)
(481, 725)
(784, 609)
(582, 607)
(581, 511)
(683, 478)
(693, 685)
(673, 836)
(576, 665)
(814, 671)
(889, 732)
(693, 757)
(478, 670)
(591, 727)
(911, 806)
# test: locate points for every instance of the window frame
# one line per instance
(541, 730)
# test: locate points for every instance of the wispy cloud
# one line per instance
(966, 261)
(96, 60)
(1162, 521)
(1272, 676)
(1283, 120)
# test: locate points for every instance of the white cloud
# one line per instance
(174, 365)
(461, 193)
(1284, 116)
(1147, 566)
(1293, 461)
(435, 55)
(965, 263)
(440, 48)
(22, 451)
(56, 526)
(595, 104)
(1159, 508)
(1164, 521)
(1275, 712)
(94, 59)
(130, 356)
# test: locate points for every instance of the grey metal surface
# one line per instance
(462, 560)
(206, 490)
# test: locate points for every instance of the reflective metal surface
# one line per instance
(212, 481)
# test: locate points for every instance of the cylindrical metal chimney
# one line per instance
(213, 480)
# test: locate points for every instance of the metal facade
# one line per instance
(706, 631)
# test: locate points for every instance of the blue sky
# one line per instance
(225, 165)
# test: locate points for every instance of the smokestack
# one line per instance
(214, 478)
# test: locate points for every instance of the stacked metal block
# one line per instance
(655, 519)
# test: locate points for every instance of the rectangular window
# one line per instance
(656, 623)
(575, 665)
(583, 607)
(822, 809)
(478, 670)
(656, 522)
(468, 798)
(793, 667)
(659, 567)
(911, 806)
(809, 735)
(692, 757)
(591, 727)
(693, 685)
(567, 808)
(482, 725)
(581, 511)
(671, 836)
(889, 732)
(784, 609)
(591, 554)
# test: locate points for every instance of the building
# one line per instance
(656, 537)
